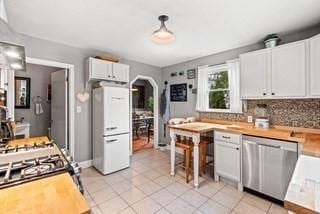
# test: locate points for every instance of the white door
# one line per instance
(315, 66)
(253, 74)
(116, 110)
(227, 158)
(116, 153)
(59, 104)
(120, 72)
(288, 70)
(100, 69)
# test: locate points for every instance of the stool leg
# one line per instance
(204, 158)
(201, 157)
(187, 165)
(184, 159)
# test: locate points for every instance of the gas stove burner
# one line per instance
(37, 169)
(27, 147)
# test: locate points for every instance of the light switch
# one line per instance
(250, 120)
(78, 109)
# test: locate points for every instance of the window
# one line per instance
(218, 88)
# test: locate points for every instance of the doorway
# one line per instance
(61, 122)
(41, 103)
(143, 114)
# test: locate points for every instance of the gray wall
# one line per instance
(44, 49)
(40, 79)
(188, 108)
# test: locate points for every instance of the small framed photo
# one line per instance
(191, 73)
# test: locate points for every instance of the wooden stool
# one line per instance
(204, 142)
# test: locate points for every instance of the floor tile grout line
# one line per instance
(144, 164)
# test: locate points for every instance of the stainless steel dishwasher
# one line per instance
(267, 165)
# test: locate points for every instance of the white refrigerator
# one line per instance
(110, 118)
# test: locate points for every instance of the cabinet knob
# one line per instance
(113, 76)
(109, 76)
(264, 94)
(237, 148)
(272, 93)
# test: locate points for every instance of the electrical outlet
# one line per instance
(250, 119)
(78, 109)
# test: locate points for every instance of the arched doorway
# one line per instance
(155, 109)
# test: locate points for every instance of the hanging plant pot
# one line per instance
(272, 40)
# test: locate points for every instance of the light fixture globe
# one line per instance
(163, 35)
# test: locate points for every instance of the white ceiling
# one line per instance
(123, 27)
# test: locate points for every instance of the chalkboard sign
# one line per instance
(178, 92)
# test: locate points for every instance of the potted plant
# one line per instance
(271, 40)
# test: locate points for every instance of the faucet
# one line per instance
(21, 120)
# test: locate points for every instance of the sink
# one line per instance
(21, 126)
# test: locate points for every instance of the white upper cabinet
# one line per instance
(288, 70)
(315, 66)
(254, 71)
(100, 69)
(120, 72)
(105, 70)
(279, 72)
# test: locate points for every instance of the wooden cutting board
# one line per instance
(29, 141)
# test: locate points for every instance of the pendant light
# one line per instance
(163, 35)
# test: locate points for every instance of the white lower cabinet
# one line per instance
(227, 156)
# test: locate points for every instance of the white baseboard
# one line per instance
(85, 164)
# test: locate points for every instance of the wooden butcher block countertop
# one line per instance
(308, 138)
(53, 195)
(29, 141)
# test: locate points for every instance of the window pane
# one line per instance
(219, 100)
(218, 80)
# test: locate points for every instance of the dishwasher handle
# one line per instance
(272, 146)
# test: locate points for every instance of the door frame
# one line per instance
(155, 110)
(71, 88)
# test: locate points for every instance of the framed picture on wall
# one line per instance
(22, 92)
(191, 73)
(178, 92)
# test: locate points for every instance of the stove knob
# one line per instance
(65, 152)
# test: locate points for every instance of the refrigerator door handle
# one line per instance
(111, 128)
(110, 141)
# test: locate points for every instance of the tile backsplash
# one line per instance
(299, 113)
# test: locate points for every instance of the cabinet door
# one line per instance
(288, 70)
(121, 72)
(315, 66)
(100, 69)
(253, 74)
(227, 159)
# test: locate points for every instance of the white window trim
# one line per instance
(234, 87)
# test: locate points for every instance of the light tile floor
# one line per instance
(146, 187)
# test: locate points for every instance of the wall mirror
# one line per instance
(22, 92)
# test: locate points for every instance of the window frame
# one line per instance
(213, 70)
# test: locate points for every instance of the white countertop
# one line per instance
(304, 187)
